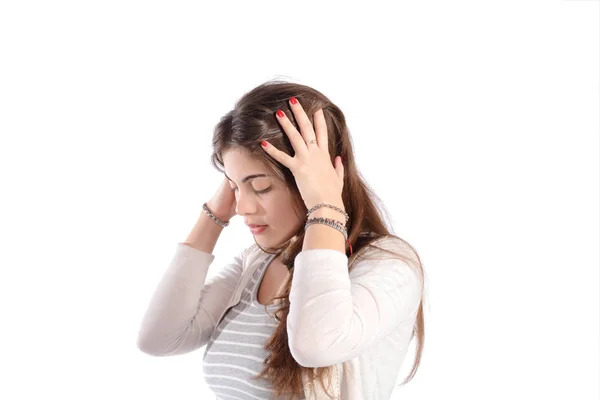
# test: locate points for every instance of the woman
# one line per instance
(327, 300)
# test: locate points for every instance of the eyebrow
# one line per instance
(249, 177)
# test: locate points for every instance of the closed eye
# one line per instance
(257, 191)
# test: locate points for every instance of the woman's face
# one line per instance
(261, 200)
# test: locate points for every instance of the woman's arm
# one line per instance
(335, 315)
(182, 313)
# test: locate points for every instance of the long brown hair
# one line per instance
(252, 120)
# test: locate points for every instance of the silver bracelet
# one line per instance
(329, 222)
(212, 216)
(330, 206)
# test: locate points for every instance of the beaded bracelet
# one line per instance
(212, 216)
(330, 206)
(329, 222)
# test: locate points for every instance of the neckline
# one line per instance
(259, 280)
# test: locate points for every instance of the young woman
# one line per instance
(327, 300)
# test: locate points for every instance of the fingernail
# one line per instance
(263, 143)
(293, 100)
(280, 114)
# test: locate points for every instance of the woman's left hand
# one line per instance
(317, 179)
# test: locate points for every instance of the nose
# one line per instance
(246, 204)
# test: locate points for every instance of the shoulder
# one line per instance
(251, 254)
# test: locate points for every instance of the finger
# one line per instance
(278, 155)
(321, 129)
(306, 128)
(295, 137)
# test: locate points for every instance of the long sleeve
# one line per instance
(183, 310)
(335, 315)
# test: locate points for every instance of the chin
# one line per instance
(270, 243)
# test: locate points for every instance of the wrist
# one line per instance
(329, 209)
(217, 212)
(215, 215)
(326, 212)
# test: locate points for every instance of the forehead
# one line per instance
(238, 163)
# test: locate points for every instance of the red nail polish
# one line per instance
(293, 100)
(280, 114)
(263, 143)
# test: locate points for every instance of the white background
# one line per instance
(476, 122)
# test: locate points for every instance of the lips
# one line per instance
(256, 229)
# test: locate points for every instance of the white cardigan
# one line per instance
(362, 322)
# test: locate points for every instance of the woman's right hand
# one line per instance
(223, 202)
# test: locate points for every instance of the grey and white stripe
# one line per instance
(235, 353)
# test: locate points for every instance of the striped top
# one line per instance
(235, 352)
